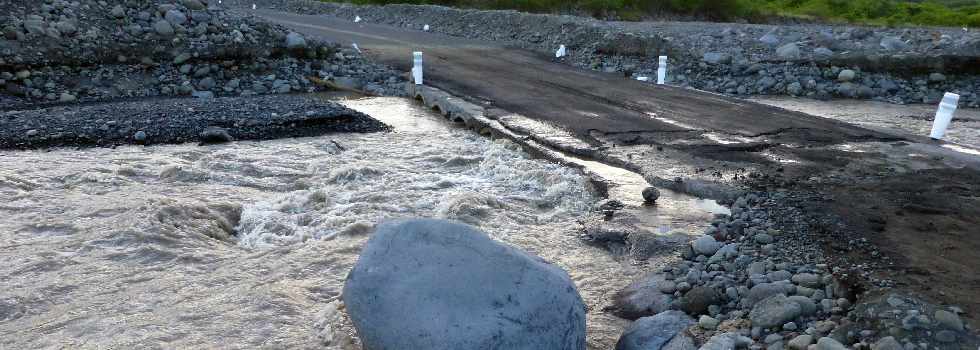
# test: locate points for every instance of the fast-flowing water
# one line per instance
(247, 245)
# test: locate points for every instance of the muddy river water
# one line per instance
(247, 244)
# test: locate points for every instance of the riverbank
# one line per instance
(178, 120)
(63, 52)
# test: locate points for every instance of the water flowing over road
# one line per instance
(248, 244)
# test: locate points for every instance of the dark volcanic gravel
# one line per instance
(157, 121)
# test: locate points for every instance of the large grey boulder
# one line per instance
(654, 332)
(435, 284)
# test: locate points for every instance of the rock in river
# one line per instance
(434, 284)
(654, 332)
(650, 194)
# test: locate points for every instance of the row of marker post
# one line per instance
(944, 115)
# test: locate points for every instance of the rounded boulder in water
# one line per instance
(650, 194)
(435, 284)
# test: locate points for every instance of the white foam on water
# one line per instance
(247, 244)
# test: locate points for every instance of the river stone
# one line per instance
(706, 245)
(794, 88)
(770, 39)
(163, 28)
(717, 58)
(774, 311)
(435, 284)
(175, 17)
(892, 43)
(643, 297)
(724, 341)
(801, 342)
(828, 343)
(708, 322)
(887, 343)
(650, 194)
(215, 135)
(788, 52)
(653, 332)
(807, 280)
(118, 11)
(181, 58)
(823, 52)
(949, 320)
(681, 341)
(807, 306)
(937, 77)
(846, 75)
(295, 41)
(697, 300)
(195, 5)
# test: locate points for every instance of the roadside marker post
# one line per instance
(561, 51)
(662, 71)
(944, 115)
(417, 67)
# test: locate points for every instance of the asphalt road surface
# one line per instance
(585, 102)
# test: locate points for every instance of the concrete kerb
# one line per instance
(474, 118)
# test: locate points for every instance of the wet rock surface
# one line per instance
(890, 64)
(433, 284)
(62, 51)
(177, 120)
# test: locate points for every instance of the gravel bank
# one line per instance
(761, 278)
(899, 65)
(177, 120)
(61, 51)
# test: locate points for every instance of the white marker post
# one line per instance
(357, 19)
(425, 27)
(662, 71)
(253, 6)
(561, 51)
(944, 115)
(417, 67)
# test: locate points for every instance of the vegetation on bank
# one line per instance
(877, 12)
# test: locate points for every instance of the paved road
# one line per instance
(583, 101)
